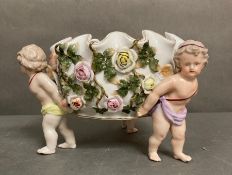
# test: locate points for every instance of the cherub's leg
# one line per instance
(68, 135)
(178, 139)
(160, 129)
(130, 126)
(49, 124)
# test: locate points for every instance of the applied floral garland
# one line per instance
(81, 87)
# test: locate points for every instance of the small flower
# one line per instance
(166, 70)
(114, 104)
(83, 72)
(75, 102)
(124, 60)
(149, 84)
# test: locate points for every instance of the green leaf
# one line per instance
(109, 73)
(98, 62)
(123, 88)
(146, 57)
(122, 92)
(66, 90)
(69, 80)
(75, 59)
(134, 83)
(150, 52)
(108, 63)
(77, 89)
(126, 109)
(72, 50)
(65, 63)
(131, 85)
(88, 97)
(59, 49)
(103, 62)
(91, 92)
(146, 46)
(72, 53)
(153, 64)
(139, 98)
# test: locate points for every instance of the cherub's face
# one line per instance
(191, 65)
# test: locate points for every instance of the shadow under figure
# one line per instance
(166, 103)
(33, 63)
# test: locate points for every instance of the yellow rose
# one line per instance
(124, 60)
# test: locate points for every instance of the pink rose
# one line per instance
(75, 102)
(83, 72)
(114, 104)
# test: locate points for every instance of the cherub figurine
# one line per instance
(33, 63)
(167, 101)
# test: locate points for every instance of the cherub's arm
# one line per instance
(53, 60)
(161, 89)
(50, 87)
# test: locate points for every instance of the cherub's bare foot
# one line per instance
(66, 145)
(183, 157)
(132, 130)
(46, 150)
(154, 156)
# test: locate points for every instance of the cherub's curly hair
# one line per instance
(32, 57)
(190, 47)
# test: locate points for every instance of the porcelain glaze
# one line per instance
(124, 53)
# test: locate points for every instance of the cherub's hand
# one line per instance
(53, 60)
(64, 105)
(141, 112)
